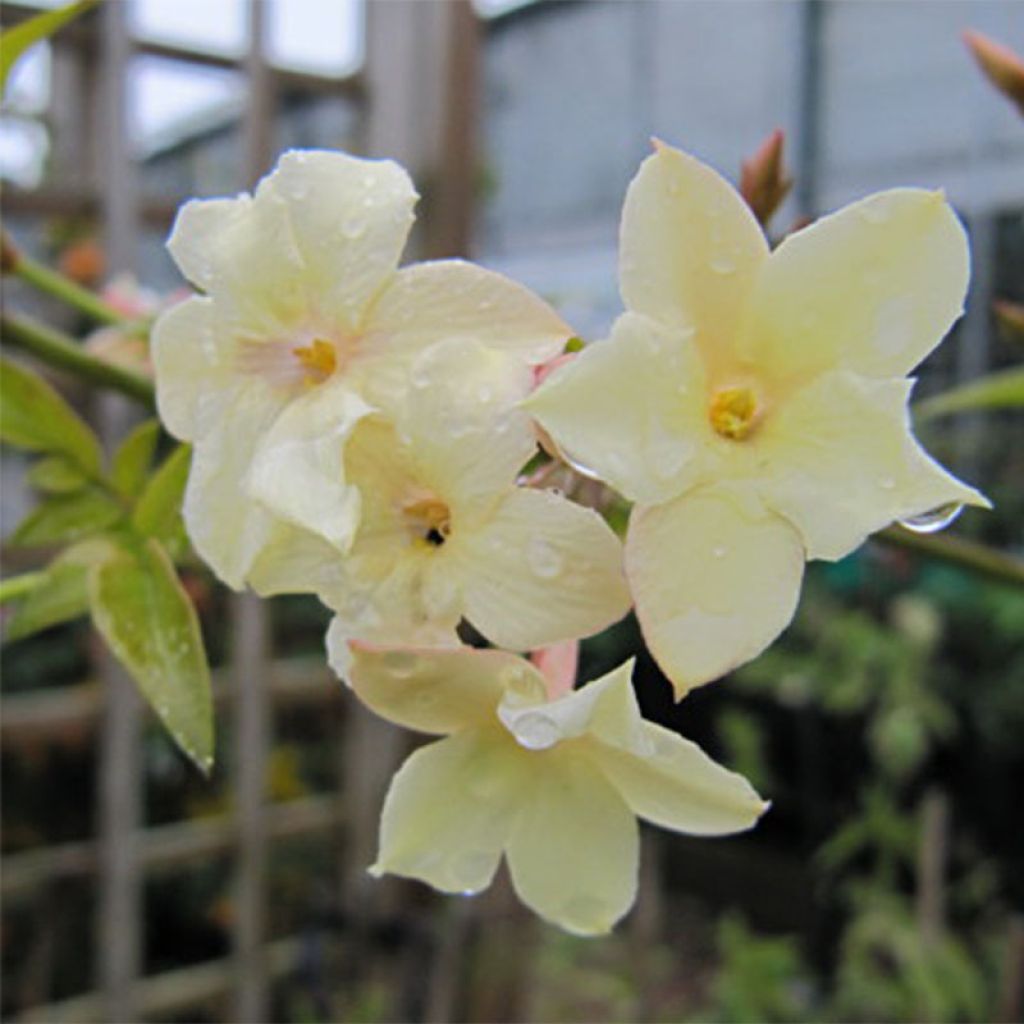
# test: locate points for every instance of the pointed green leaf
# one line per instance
(66, 517)
(132, 458)
(34, 416)
(144, 614)
(15, 41)
(56, 475)
(1001, 390)
(63, 592)
(158, 511)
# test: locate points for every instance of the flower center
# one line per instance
(430, 520)
(319, 360)
(733, 412)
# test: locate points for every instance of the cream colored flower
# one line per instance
(305, 326)
(554, 785)
(445, 533)
(753, 403)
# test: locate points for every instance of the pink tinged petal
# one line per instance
(716, 578)
(430, 302)
(242, 253)
(840, 461)
(671, 782)
(540, 571)
(298, 467)
(558, 664)
(349, 219)
(574, 847)
(341, 636)
(690, 249)
(631, 410)
(227, 528)
(192, 368)
(872, 288)
(449, 811)
(436, 691)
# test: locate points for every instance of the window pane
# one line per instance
(216, 26)
(320, 36)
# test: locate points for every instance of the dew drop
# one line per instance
(723, 265)
(467, 868)
(543, 558)
(874, 213)
(887, 483)
(353, 229)
(935, 519)
(536, 731)
(719, 552)
(484, 393)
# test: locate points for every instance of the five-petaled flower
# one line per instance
(753, 404)
(305, 327)
(555, 785)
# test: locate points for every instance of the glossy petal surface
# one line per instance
(716, 578)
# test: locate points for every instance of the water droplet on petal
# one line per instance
(723, 265)
(353, 228)
(719, 552)
(887, 483)
(543, 558)
(874, 213)
(933, 520)
(536, 731)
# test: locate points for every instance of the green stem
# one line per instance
(19, 586)
(61, 351)
(978, 558)
(60, 287)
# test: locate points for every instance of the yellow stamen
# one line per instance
(319, 358)
(430, 519)
(733, 412)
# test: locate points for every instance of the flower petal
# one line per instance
(574, 847)
(448, 812)
(298, 466)
(674, 784)
(341, 638)
(191, 368)
(841, 462)
(872, 288)
(461, 424)
(715, 577)
(226, 527)
(690, 249)
(630, 410)
(605, 708)
(436, 691)
(296, 561)
(542, 570)
(242, 253)
(349, 218)
(430, 302)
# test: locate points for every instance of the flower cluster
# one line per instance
(361, 431)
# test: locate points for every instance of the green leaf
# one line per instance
(144, 614)
(132, 458)
(1001, 390)
(66, 517)
(56, 475)
(34, 416)
(15, 41)
(158, 511)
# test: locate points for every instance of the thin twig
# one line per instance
(978, 558)
(63, 352)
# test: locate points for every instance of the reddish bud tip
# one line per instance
(1003, 68)
(764, 183)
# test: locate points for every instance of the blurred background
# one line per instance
(886, 725)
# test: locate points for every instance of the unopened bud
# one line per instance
(764, 183)
(1003, 68)
(83, 261)
(9, 255)
(1010, 317)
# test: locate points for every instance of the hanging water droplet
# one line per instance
(723, 265)
(543, 558)
(935, 519)
(536, 731)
